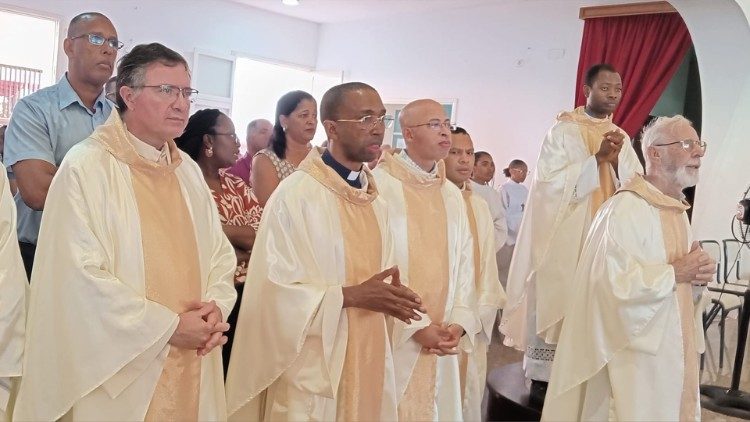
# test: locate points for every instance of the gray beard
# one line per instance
(684, 179)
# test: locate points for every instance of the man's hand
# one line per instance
(440, 340)
(212, 315)
(200, 328)
(697, 267)
(610, 147)
(431, 336)
(392, 299)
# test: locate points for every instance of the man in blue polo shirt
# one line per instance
(47, 123)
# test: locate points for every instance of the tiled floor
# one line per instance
(499, 355)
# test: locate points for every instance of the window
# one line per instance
(258, 85)
(28, 57)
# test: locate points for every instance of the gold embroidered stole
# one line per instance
(592, 132)
(671, 213)
(173, 279)
(427, 235)
(360, 391)
(170, 261)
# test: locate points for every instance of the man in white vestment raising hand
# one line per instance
(583, 159)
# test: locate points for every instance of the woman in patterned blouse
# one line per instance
(211, 141)
(296, 121)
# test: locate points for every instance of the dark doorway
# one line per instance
(682, 96)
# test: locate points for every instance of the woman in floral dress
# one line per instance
(211, 141)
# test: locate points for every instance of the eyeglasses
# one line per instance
(368, 122)
(436, 124)
(687, 144)
(172, 91)
(232, 136)
(97, 39)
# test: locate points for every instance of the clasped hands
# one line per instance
(610, 147)
(399, 301)
(696, 268)
(440, 339)
(200, 328)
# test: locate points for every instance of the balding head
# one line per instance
(335, 99)
(416, 111)
(88, 63)
(78, 25)
(426, 131)
(258, 135)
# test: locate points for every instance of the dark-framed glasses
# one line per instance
(173, 91)
(687, 144)
(368, 122)
(436, 124)
(98, 39)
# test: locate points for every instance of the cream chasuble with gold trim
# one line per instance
(434, 251)
(125, 243)
(303, 357)
(630, 343)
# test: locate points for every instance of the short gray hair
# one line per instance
(132, 68)
(254, 124)
(661, 127)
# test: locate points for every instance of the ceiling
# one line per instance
(332, 11)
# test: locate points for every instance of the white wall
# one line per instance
(721, 36)
(184, 25)
(512, 65)
(502, 63)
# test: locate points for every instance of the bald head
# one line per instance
(78, 25)
(415, 112)
(426, 131)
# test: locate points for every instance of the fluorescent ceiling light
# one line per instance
(290, 2)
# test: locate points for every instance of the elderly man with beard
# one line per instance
(629, 345)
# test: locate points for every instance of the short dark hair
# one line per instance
(479, 154)
(333, 99)
(458, 130)
(513, 164)
(80, 18)
(202, 122)
(594, 71)
(131, 70)
(284, 107)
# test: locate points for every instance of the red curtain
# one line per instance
(646, 50)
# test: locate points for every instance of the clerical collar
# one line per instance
(351, 177)
(414, 166)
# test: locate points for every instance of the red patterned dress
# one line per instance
(237, 207)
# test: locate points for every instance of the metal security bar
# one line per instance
(15, 83)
